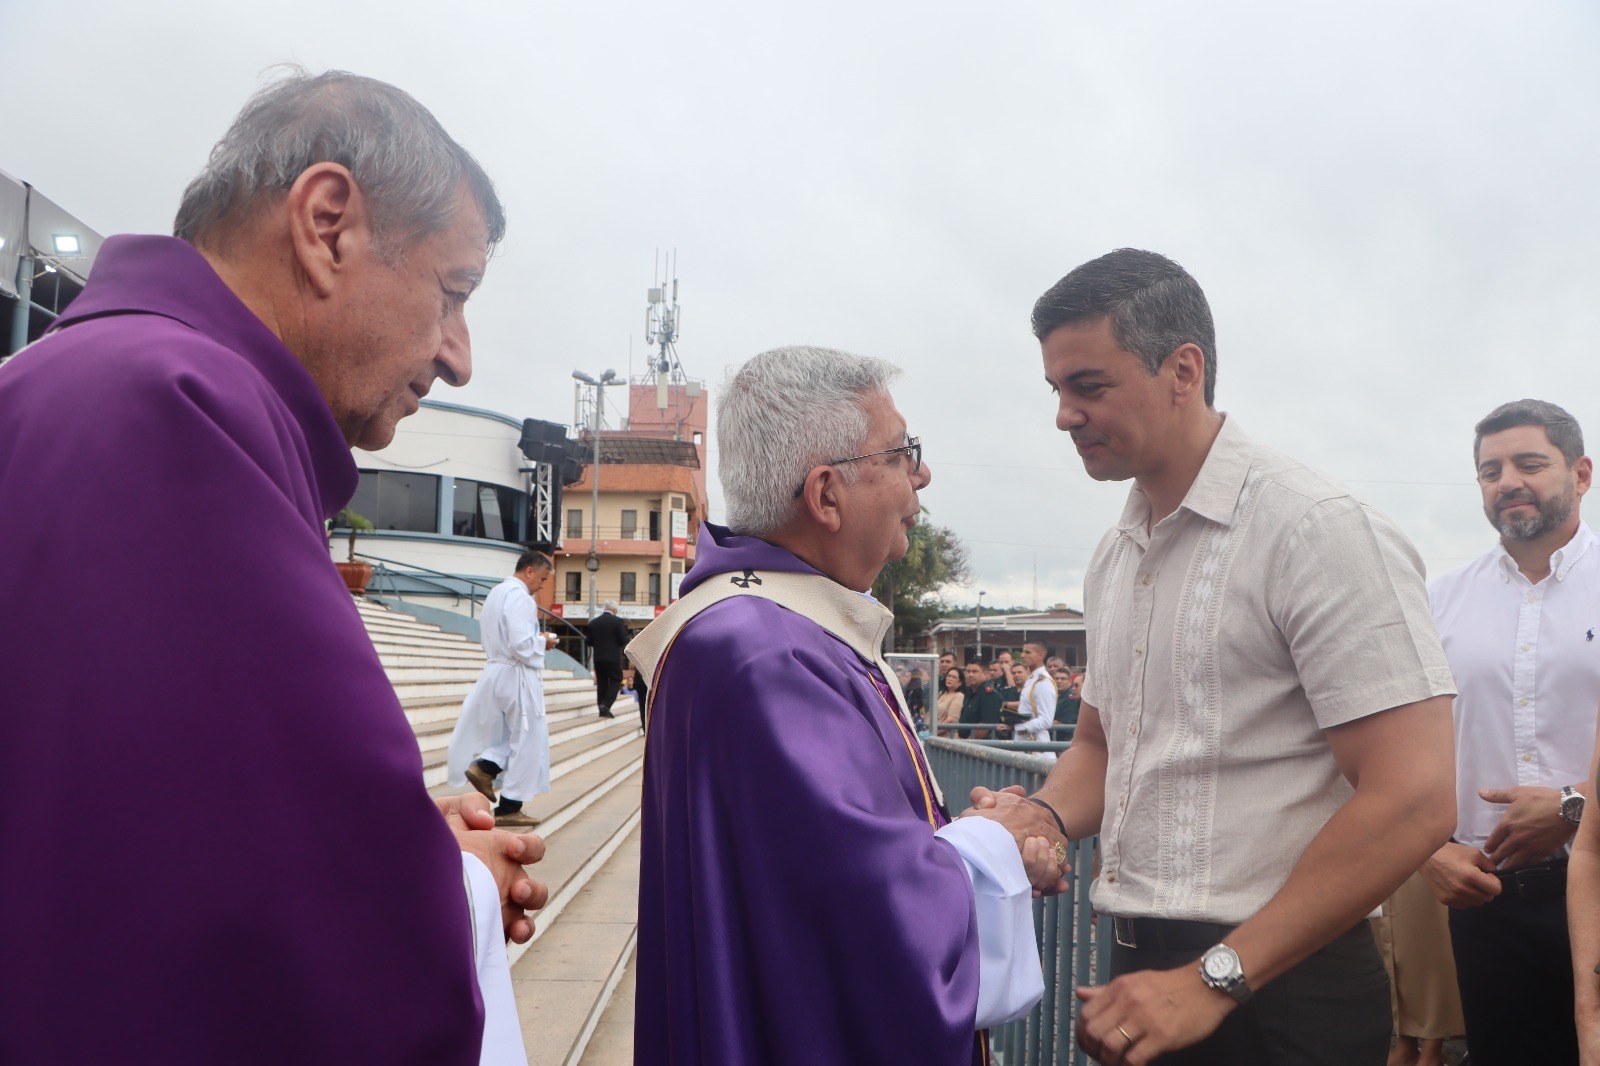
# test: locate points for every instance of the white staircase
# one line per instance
(567, 977)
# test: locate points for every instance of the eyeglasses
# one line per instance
(912, 448)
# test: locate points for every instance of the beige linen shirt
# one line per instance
(1269, 606)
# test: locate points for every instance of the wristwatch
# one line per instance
(1571, 804)
(1220, 969)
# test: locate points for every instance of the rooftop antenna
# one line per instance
(661, 321)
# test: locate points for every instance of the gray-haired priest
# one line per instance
(804, 896)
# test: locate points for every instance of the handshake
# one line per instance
(1035, 827)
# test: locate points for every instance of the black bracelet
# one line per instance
(1059, 823)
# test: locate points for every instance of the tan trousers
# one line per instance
(1414, 938)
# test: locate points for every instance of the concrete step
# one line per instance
(612, 1042)
(566, 753)
(564, 726)
(405, 625)
(565, 982)
(428, 714)
(397, 655)
(433, 638)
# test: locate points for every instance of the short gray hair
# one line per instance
(784, 412)
(1559, 426)
(408, 166)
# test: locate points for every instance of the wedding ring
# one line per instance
(1125, 1035)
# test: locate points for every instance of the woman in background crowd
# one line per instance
(952, 694)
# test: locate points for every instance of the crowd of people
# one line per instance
(1279, 725)
(1018, 701)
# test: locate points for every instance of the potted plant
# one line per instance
(356, 574)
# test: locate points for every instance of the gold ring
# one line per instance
(1125, 1035)
(1060, 851)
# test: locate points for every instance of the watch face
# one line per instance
(1219, 964)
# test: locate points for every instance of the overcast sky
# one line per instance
(1392, 206)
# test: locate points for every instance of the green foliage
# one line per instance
(349, 519)
(909, 587)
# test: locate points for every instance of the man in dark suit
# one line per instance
(608, 635)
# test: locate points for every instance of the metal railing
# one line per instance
(1070, 938)
(388, 571)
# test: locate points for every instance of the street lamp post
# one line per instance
(981, 595)
(592, 564)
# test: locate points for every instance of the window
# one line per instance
(574, 523)
(655, 525)
(574, 587)
(493, 512)
(630, 525)
(655, 589)
(677, 503)
(396, 499)
(630, 587)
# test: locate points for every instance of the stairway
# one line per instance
(567, 977)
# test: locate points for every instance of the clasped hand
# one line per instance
(1034, 830)
(505, 854)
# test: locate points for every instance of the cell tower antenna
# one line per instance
(662, 318)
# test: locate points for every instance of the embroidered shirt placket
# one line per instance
(1140, 560)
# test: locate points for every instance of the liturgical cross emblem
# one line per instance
(747, 580)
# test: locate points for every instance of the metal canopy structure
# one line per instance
(45, 256)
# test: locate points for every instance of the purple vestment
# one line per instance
(217, 846)
(795, 906)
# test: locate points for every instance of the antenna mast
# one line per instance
(661, 320)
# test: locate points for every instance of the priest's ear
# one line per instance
(329, 223)
(819, 498)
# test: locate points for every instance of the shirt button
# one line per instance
(1532, 598)
(1138, 651)
(1133, 730)
(1523, 702)
(1522, 647)
(1145, 580)
(1111, 875)
(1527, 756)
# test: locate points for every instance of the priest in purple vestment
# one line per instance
(218, 847)
(804, 896)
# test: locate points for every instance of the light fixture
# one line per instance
(65, 243)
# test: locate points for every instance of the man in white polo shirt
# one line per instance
(1519, 627)
(1263, 742)
(1038, 696)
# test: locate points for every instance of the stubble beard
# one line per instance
(1548, 515)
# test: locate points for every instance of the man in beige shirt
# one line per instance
(1264, 739)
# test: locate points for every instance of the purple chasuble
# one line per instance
(218, 847)
(795, 906)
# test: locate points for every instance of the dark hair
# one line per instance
(1559, 426)
(397, 152)
(1154, 305)
(961, 679)
(539, 559)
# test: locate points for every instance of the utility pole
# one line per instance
(592, 564)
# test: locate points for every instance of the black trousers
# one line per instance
(607, 682)
(1331, 1010)
(1514, 970)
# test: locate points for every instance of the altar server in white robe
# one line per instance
(502, 722)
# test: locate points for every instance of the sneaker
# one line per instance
(515, 820)
(481, 781)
